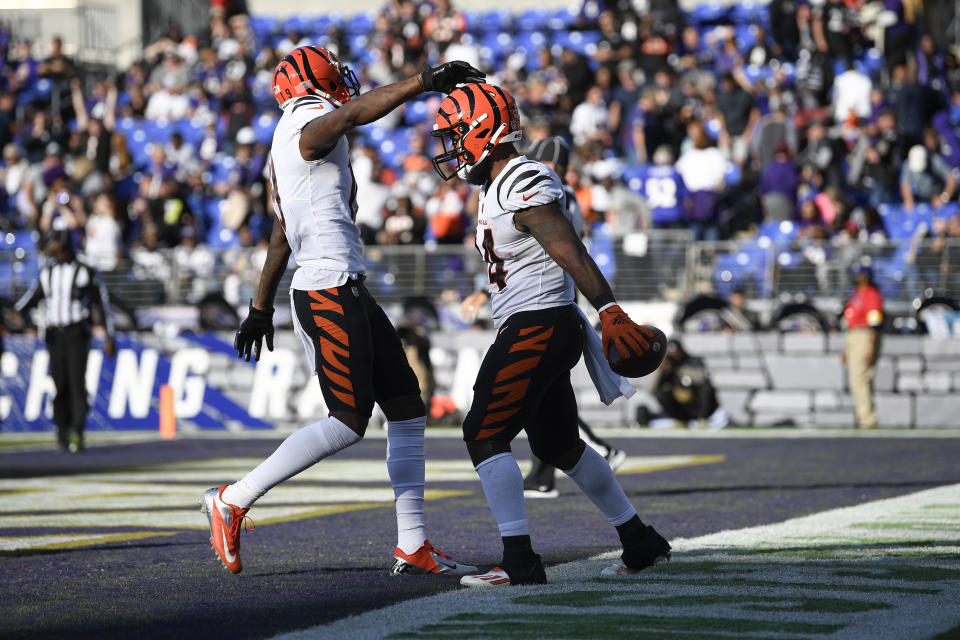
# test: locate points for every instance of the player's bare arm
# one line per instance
(319, 136)
(259, 321)
(278, 254)
(556, 235)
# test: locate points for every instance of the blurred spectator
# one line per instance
(578, 75)
(774, 128)
(15, 170)
(736, 314)
(823, 154)
(444, 24)
(926, 177)
(95, 132)
(851, 95)
(403, 222)
(740, 115)
(779, 186)
(784, 29)
(445, 213)
(103, 242)
(8, 104)
(664, 190)
(61, 209)
(875, 162)
(181, 155)
(589, 120)
(811, 224)
(702, 168)
(620, 122)
(625, 211)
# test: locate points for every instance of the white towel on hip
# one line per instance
(609, 384)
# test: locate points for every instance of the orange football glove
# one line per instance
(619, 330)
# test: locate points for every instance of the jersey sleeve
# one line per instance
(532, 185)
(307, 109)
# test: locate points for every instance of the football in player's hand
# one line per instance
(642, 363)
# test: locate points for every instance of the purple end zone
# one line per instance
(307, 572)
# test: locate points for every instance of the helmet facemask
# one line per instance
(349, 85)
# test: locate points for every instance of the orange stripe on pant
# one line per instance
(515, 369)
(329, 352)
(513, 392)
(324, 303)
(533, 343)
(345, 397)
(332, 329)
(343, 381)
(486, 433)
(497, 416)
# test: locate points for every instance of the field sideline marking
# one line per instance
(885, 570)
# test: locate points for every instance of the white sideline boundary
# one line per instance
(875, 537)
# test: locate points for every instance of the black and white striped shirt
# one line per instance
(69, 288)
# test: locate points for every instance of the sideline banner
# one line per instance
(123, 390)
(215, 390)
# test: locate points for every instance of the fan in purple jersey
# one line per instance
(664, 190)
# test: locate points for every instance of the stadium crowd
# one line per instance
(812, 111)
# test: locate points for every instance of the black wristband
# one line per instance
(603, 300)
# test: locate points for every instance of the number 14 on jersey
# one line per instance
(498, 275)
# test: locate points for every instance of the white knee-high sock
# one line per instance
(405, 460)
(502, 483)
(593, 475)
(301, 450)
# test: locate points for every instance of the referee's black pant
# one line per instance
(69, 348)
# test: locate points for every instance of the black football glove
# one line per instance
(257, 325)
(445, 77)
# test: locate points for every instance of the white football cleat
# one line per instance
(496, 577)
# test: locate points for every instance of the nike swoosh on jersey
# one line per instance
(525, 198)
(226, 549)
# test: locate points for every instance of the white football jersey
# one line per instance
(316, 201)
(523, 277)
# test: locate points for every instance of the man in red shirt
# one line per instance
(863, 315)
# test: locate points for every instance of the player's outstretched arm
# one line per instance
(319, 136)
(556, 235)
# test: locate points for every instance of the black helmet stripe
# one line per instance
(455, 103)
(293, 62)
(319, 52)
(306, 66)
(471, 100)
(503, 95)
(493, 107)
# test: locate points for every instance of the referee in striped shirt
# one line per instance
(71, 288)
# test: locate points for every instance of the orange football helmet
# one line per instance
(474, 118)
(312, 70)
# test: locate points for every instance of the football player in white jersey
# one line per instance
(540, 482)
(349, 341)
(534, 258)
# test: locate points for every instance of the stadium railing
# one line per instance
(642, 266)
